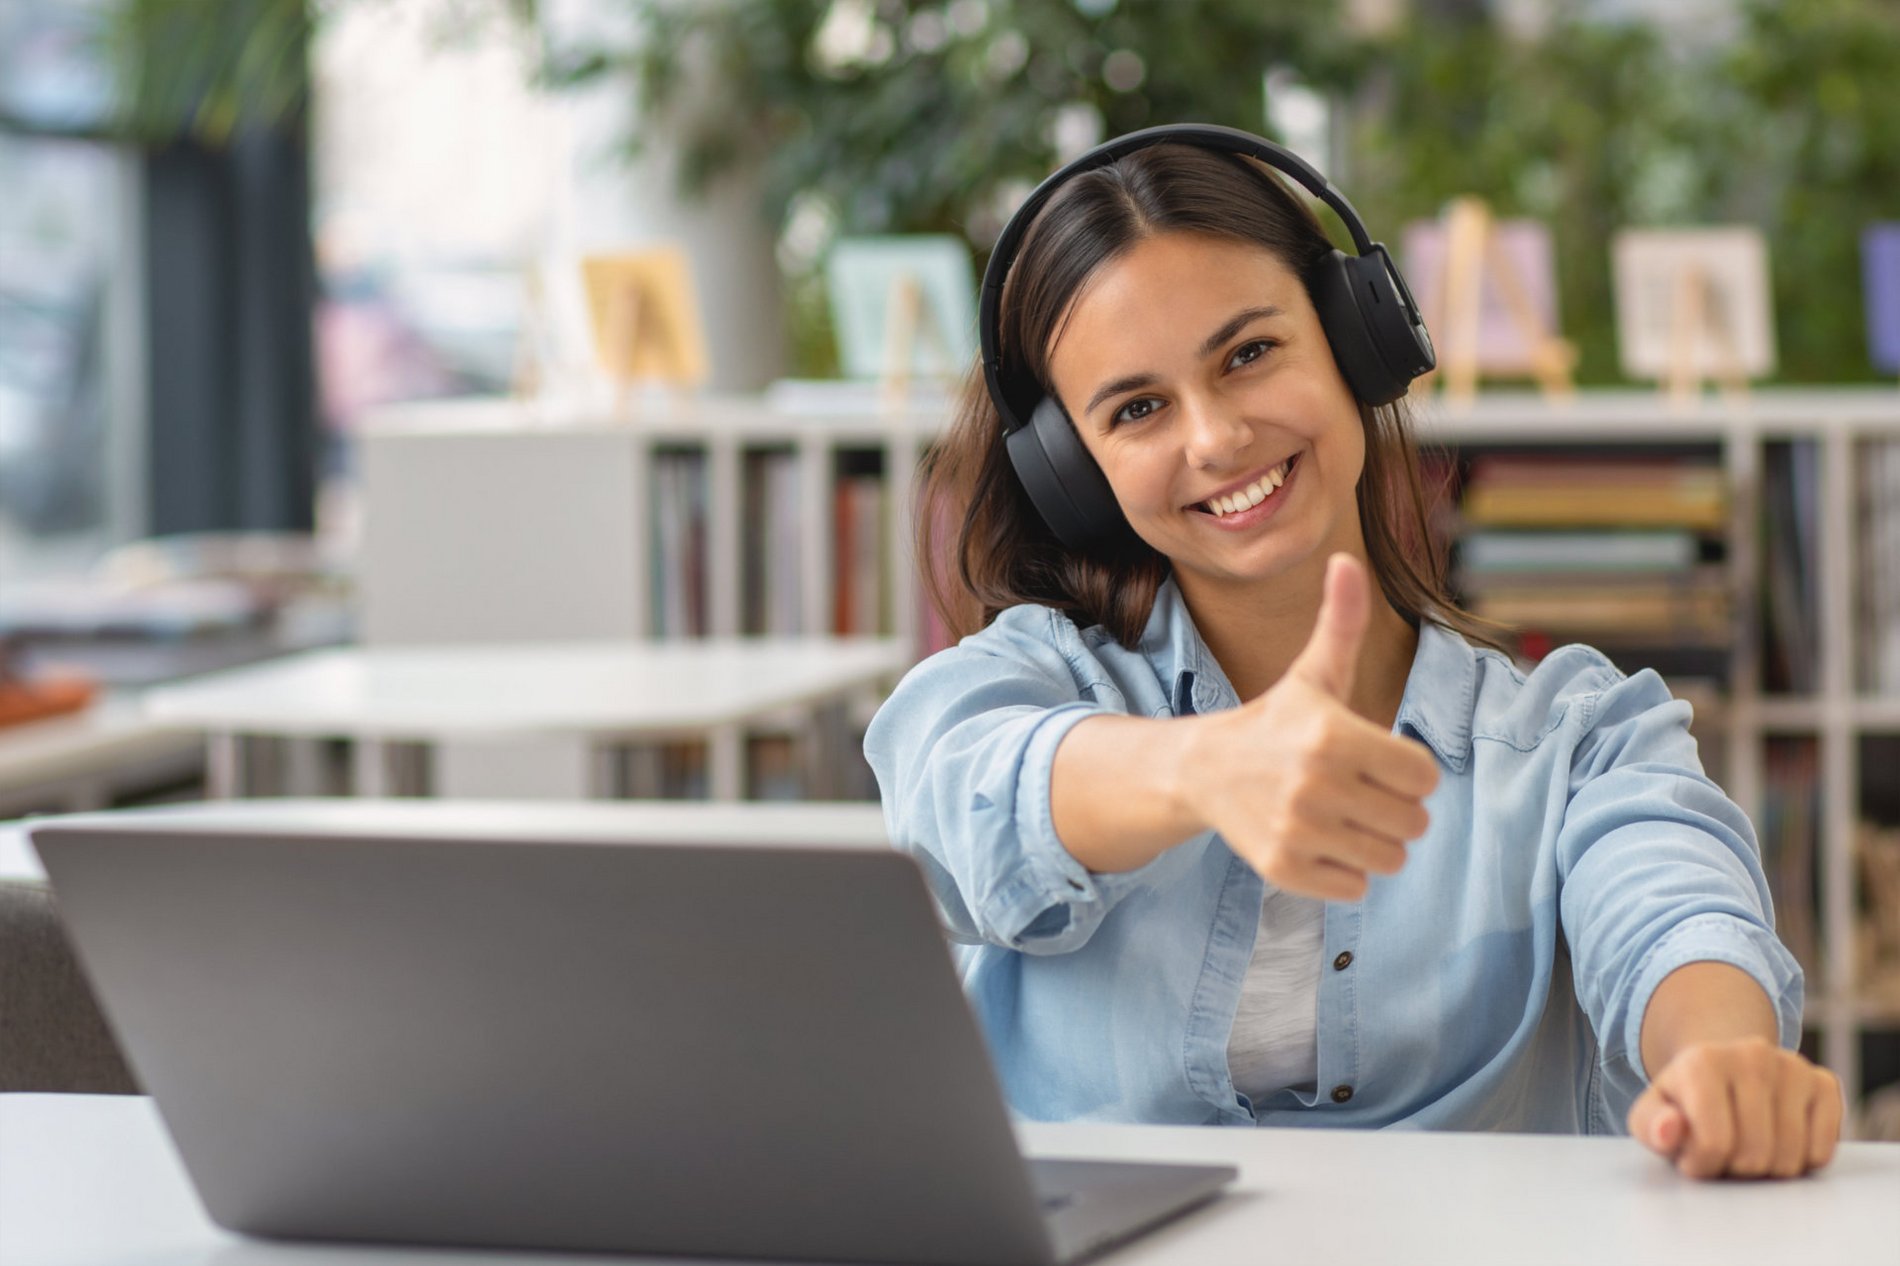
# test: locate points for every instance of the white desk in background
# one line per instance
(95, 1180)
(609, 694)
(81, 760)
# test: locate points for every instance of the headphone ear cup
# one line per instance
(1376, 339)
(1063, 482)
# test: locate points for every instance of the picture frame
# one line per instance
(644, 316)
(902, 305)
(1880, 282)
(1693, 304)
(1510, 327)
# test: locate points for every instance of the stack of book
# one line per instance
(1790, 828)
(1878, 652)
(1620, 552)
(771, 584)
(1791, 638)
(859, 531)
(679, 536)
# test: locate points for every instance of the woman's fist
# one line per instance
(1743, 1109)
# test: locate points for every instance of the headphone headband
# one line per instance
(1207, 136)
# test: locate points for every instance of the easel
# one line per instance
(638, 337)
(1474, 256)
(645, 329)
(1694, 312)
(907, 321)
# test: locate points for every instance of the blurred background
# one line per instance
(228, 226)
(235, 232)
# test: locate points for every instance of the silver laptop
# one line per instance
(654, 1029)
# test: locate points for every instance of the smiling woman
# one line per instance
(1232, 834)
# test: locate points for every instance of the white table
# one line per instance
(95, 1181)
(79, 761)
(608, 694)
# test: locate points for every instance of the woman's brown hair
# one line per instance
(981, 544)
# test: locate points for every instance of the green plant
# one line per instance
(935, 115)
(205, 70)
(919, 116)
(202, 69)
(1819, 75)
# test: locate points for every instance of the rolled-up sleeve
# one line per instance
(1659, 869)
(962, 752)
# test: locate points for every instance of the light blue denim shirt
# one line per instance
(1577, 855)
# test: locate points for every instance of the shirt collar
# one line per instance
(1174, 647)
(1440, 690)
(1440, 693)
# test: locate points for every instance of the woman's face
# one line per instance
(1196, 372)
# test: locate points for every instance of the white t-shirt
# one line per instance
(1275, 1041)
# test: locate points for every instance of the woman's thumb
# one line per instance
(1331, 655)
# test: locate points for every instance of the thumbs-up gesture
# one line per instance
(1312, 795)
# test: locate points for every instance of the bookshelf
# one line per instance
(1811, 761)
(1798, 752)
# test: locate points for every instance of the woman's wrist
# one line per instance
(1704, 1002)
(1125, 789)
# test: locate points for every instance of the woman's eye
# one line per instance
(1134, 410)
(1248, 353)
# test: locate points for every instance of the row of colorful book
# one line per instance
(1622, 552)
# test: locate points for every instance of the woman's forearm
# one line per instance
(1704, 1002)
(1121, 790)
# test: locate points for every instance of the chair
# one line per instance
(53, 1037)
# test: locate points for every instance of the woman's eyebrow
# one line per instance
(1115, 388)
(1234, 325)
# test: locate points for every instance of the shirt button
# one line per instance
(1343, 961)
(1341, 1093)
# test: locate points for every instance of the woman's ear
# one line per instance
(1063, 479)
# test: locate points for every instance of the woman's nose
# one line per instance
(1213, 435)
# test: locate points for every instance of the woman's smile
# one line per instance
(1254, 503)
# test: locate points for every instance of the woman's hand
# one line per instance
(1740, 1109)
(1313, 796)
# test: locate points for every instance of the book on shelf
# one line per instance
(1490, 551)
(1699, 615)
(1790, 563)
(772, 543)
(775, 768)
(871, 593)
(858, 589)
(1620, 551)
(679, 576)
(1596, 507)
(1561, 491)
(1877, 652)
(1789, 829)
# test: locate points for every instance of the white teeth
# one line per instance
(1253, 494)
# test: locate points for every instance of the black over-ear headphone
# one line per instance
(1377, 336)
